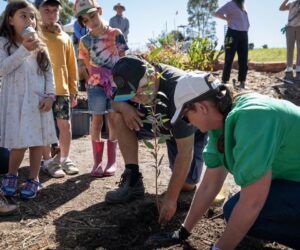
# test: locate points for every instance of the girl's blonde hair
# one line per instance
(7, 31)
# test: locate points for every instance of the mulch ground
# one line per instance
(70, 213)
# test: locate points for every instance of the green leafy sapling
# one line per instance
(156, 120)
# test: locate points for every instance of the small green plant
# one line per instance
(166, 55)
(157, 121)
(202, 54)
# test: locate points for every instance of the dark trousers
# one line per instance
(279, 220)
(236, 41)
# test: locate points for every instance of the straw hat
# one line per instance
(119, 5)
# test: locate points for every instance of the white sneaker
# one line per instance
(54, 169)
(289, 69)
(69, 167)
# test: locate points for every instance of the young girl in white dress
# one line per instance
(27, 95)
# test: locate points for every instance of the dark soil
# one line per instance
(70, 213)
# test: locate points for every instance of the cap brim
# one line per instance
(86, 11)
(177, 115)
(126, 93)
(123, 98)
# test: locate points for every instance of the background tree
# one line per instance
(200, 17)
(67, 12)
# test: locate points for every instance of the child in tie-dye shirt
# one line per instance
(99, 50)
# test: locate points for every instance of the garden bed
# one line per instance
(267, 67)
(70, 213)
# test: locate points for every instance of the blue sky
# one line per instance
(149, 18)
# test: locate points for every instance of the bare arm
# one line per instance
(209, 188)
(221, 16)
(181, 167)
(244, 214)
(284, 6)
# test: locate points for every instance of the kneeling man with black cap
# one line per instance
(185, 146)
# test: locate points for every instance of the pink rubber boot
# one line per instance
(111, 158)
(98, 148)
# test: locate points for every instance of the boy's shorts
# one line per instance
(62, 108)
(98, 102)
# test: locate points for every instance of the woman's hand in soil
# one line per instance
(167, 209)
(174, 237)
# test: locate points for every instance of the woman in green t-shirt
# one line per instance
(256, 139)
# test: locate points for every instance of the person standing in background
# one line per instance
(99, 50)
(292, 36)
(80, 31)
(119, 21)
(63, 59)
(236, 39)
(27, 95)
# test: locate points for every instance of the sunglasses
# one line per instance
(188, 107)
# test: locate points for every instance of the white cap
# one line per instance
(190, 87)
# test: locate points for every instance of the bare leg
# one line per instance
(128, 142)
(15, 160)
(97, 123)
(111, 127)
(290, 44)
(35, 156)
(46, 153)
(65, 136)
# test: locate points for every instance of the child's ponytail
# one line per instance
(43, 60)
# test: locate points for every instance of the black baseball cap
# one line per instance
(127, 73)
(39, 3)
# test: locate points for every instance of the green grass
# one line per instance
(266, 55)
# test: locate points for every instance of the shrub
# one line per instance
(166, 55)
(202, 54)
(251, 46)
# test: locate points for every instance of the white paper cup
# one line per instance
(29, 32)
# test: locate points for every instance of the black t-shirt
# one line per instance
(167, 85)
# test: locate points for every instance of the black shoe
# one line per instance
(126, 191)
(242, 84)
